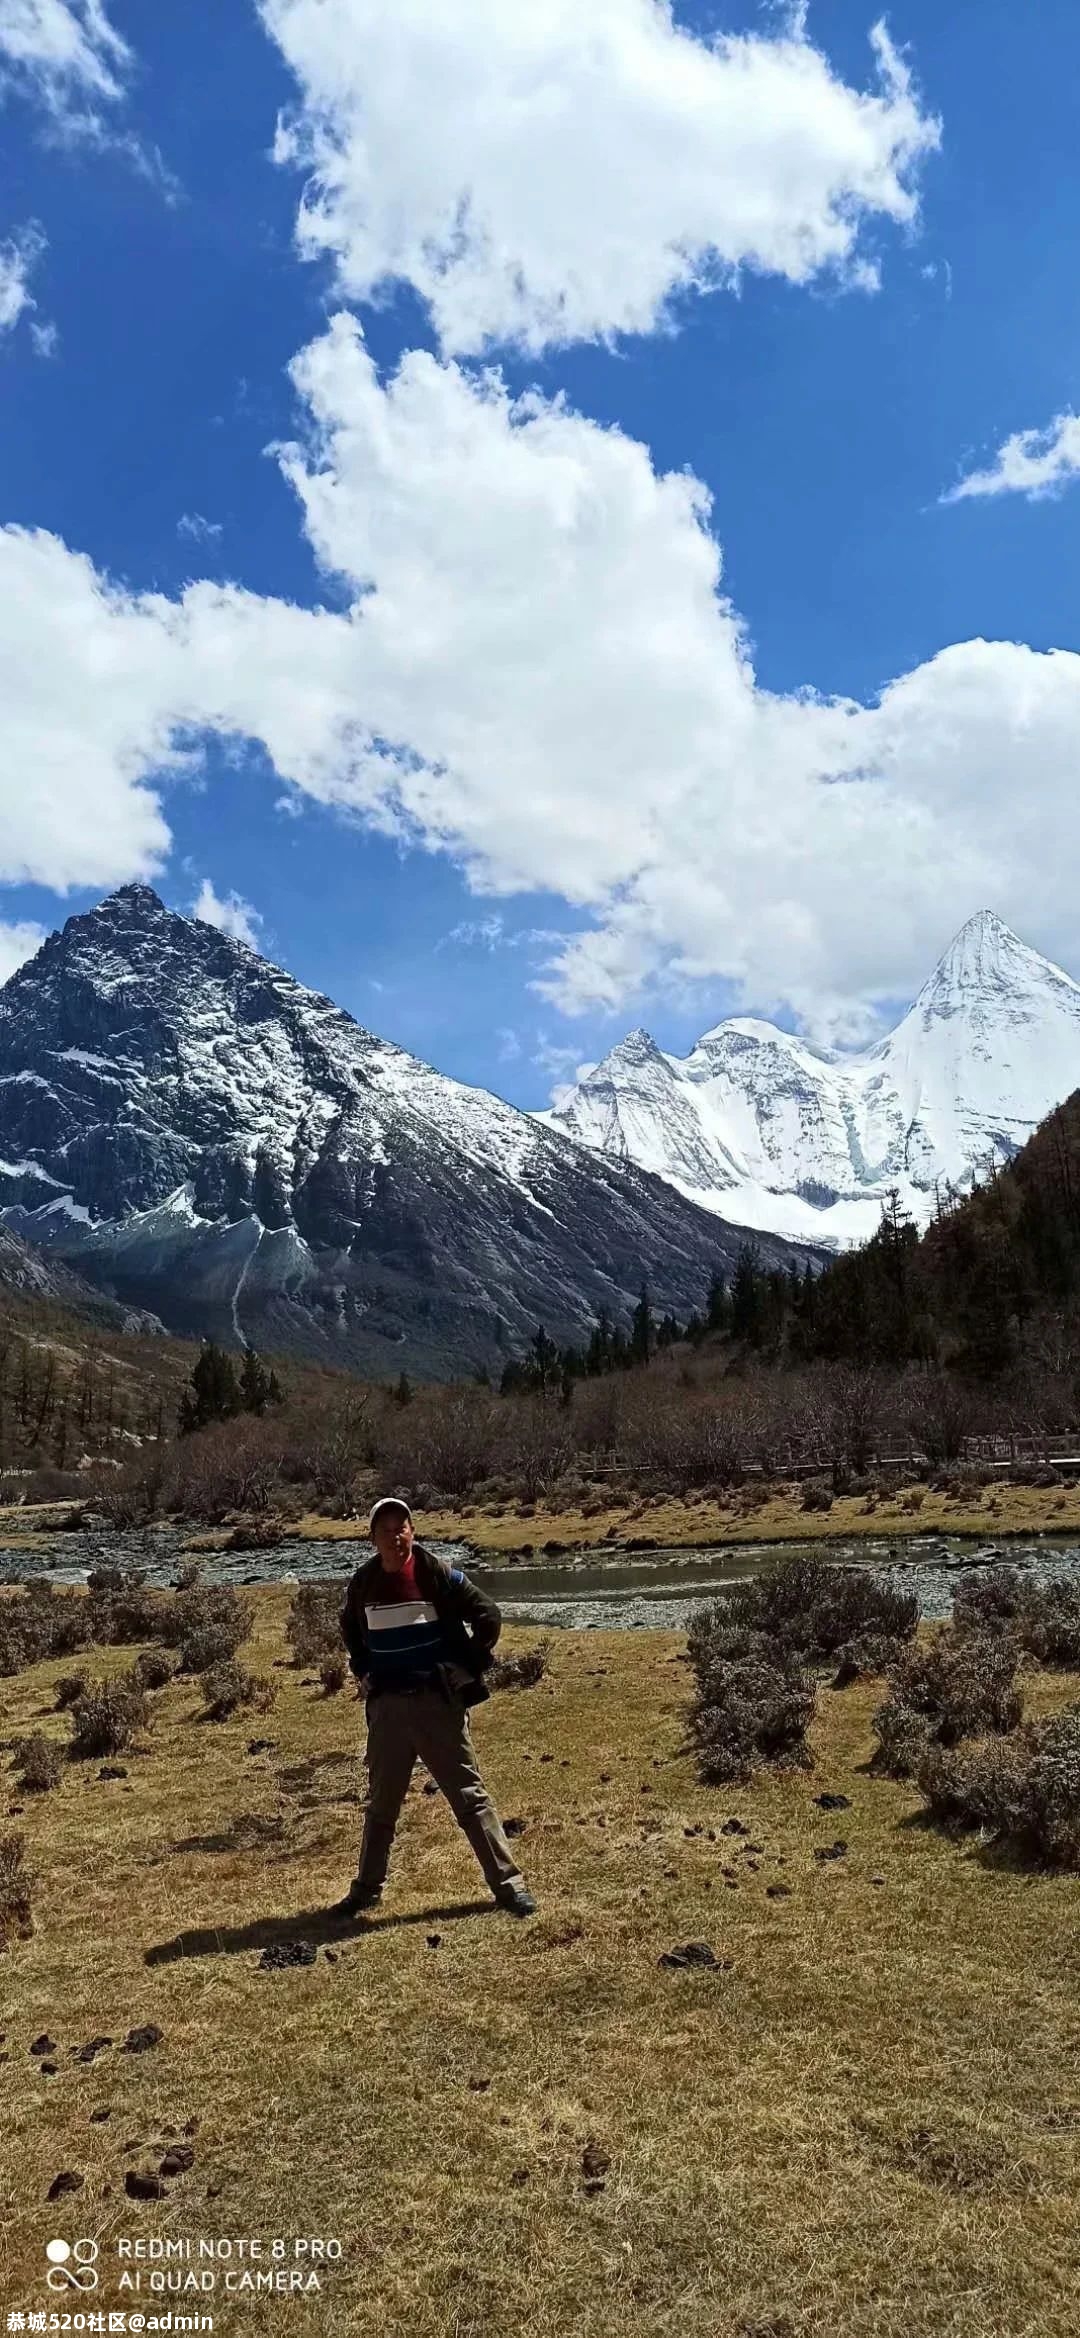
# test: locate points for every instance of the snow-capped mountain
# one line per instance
(773, 1133)
(199, 1134)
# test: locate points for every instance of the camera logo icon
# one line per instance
(72, 2264)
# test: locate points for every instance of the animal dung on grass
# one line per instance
(68, 2181)
(177, 2160)
(283, 1953)
(144, 2184)
(698, 1955)
(92, 2048)
(139, 2041)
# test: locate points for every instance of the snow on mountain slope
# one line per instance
(200, 1134)
(770, 1132)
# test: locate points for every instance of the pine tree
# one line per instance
(746, 1294)
(254, 1382)
(641, 1340)
(717, 1309)
(212, 1393)
(403, 1390)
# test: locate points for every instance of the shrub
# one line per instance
(208, 1624)
(153, 1668)
(39, 1763)
(69, 1688)
(1024, 1791)
(814, 1608)
(959, 1685)
(754, 1702)
(41, 1622)
(108, 1717)
(126, 1614)
(228, 1687)
(313, 1625)
(866, 1656)
(904, 1737)
(333, 1672)
(816, 1496)
(520, 1672)
(255, 1534)
(988, 1603)
(16, 1891)
(110, 1578)
(1049, 1623)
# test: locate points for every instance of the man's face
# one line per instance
(392, 1535)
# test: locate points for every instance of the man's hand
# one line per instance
(362, 1685)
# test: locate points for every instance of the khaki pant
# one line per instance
(435, 1728)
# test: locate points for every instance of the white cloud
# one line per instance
(232, 915)
(540, 677)
(553, 172)
(19, 256)
(484, 933)
(1035, 463)
(67, 58)
(509, 1045)
(201, 531)
(46, 339)
(18, 942)
(66, 54)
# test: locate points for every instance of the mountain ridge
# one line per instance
(765, 1129)
(197, 1133)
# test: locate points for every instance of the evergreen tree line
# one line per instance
(217, 1391)
(993, 1284)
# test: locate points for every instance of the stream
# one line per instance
(658, 1589)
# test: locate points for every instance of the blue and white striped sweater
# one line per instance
(405, 1640)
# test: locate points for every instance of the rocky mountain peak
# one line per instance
(769, 1131)
(202, 1135)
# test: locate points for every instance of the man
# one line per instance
(420, 1637)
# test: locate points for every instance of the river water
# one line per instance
(658, 1589)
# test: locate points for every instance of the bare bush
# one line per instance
(108, 1718)
(235, 1465)
(1023, 1791)
(939, 1413)
(39, 1763)
(208, 1624)
(1049, 1624)
(41, 1622)
(988, 1602)
(866, 1657)
(333, 1673)
(814, 1608)
(753, 1706)
(230, 1688)
(521, 1672)
(154, 1668)
(69, 1688)
(313, 1624)
(957, 1685)
(16, 1891)
(124, 1617)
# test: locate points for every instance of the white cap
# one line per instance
(389, 1502)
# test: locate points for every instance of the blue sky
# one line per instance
(715, 844)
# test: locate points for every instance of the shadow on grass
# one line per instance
(316, 1924)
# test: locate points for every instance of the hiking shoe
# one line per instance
(358, 1898)
(517, 1900)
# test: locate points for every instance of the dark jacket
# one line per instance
(471, 1621)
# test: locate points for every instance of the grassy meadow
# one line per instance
(864, 2122)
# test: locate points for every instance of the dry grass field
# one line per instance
(991, 1516)
(865, 2123)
